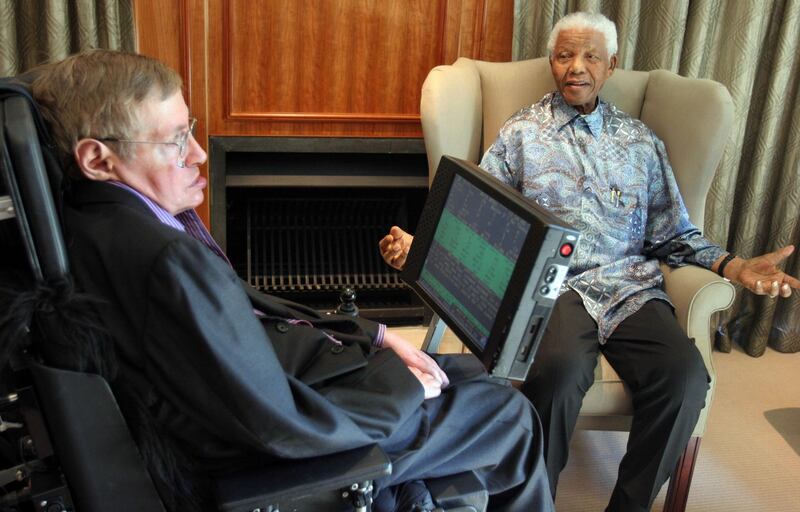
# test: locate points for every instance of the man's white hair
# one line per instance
(586, 20)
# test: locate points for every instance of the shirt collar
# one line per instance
(187, 221)
(563, 114)
(163, 215)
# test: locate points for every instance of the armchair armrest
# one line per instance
(697, 293)
(316, 481)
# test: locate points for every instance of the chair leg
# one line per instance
(681, 479)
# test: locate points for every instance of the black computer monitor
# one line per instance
(490, 263)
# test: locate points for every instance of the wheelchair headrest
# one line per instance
(62, 318)
(32, 176)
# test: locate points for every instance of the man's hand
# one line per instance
(432, 387)
(416, 359)
(761, 274)
(394, 247)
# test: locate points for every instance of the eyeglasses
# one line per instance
(182, 144)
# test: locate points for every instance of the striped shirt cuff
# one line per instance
(378, 341)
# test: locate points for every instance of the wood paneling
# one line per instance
(321, 68)
(497, 31)
(161, 32)
(339, 60)
(340, 67)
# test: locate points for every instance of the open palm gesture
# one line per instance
(762, 276)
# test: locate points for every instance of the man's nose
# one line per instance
(196, 155)
(577, 66)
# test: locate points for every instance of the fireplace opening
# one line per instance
(301, 218)
(309, 244)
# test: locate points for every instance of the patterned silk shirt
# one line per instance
(607, 175)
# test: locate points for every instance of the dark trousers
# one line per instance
(660, 365)
(479, 425)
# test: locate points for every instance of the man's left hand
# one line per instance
(762, 276)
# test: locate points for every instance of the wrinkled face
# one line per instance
(580, 66)
(154, 169)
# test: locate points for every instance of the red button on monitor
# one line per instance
(566, 250)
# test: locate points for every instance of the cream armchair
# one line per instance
(463, 107)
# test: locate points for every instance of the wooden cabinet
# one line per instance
(315, 68)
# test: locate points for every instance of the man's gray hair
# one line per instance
(586, 20)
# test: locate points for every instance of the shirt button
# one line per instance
(282, 327)
(337, 349)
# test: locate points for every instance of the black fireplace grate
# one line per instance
(300, 244)
(300, 217)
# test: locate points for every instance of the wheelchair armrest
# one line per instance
(459, 493)
(100, 460)
(292, 480)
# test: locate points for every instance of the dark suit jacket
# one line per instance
(222, 381)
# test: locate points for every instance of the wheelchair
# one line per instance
(65, 444)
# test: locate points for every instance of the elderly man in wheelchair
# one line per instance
(215, 380)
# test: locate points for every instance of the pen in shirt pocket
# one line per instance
(615, 196)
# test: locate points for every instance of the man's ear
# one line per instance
(95, 160)
(612, 65)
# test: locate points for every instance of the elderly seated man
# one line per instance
(608, 175)
(213, 375)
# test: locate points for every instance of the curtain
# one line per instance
(750, 46)
(37, 31)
